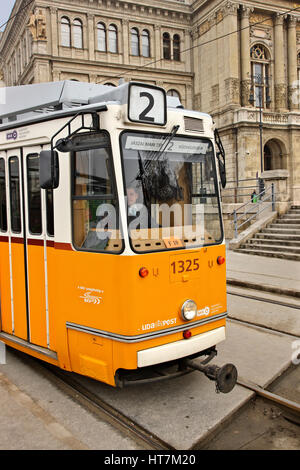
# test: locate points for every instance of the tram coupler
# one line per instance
(225, 376)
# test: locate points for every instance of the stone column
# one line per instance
(186, 45)
(54, 31)
(196, 69)
(245, 56)
(158, 45)
(292, 62)
(91, 37)
(126, 40)
(280, 86)
(231, 52)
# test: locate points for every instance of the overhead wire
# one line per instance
(16, 14)
(199, 45)
(291, 10)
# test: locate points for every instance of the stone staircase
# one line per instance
(281, 239)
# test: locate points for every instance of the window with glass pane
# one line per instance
(113, 39)
(77, 34)
(65, 32)
(260, 75)
(3, 206)
(176, 47)
(172, 192)
(145, 43)
(173, 93)
(50, 212)
(101, 32)
(166, 46)
(95, 208)
(34, 194)
(135, 47)
(14, 189)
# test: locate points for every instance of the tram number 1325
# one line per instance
(187, 265)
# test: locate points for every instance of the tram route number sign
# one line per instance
(147, 104)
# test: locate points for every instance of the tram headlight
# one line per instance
(189, 310)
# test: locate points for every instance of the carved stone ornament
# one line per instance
(261, 33)
(37, 26)
(280, 96)
(256, 18)
(245, 92)
(232, 86)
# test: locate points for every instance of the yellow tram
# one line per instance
(112, 254)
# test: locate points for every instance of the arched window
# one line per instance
(176, 47)
(173, 93)
(167, 46)
(101, 37)
(145, 43)
(65, 30)
(135, 42)
(113, 39)
(260, 71)
(77, 34)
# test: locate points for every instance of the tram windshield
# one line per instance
(171, 190)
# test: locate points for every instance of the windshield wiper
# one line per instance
(167, 140)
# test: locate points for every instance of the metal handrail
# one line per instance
(262, 197)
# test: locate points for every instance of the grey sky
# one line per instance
(5, 8)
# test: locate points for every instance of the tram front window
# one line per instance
(171, 189)
(94, 198)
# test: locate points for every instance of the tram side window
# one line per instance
(50, 212)
(3, 208)
(34, 194)
(14, 189)
(95, 207)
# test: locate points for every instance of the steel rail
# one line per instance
(292, 407)
(101, 408)
(263, 299)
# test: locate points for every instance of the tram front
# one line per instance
(147, 225)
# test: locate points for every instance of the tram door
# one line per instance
(27, 250)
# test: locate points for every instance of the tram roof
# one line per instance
(24, 102)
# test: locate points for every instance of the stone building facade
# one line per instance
(237, 60)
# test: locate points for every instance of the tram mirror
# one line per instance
(49, 169)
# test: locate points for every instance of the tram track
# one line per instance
(264, 299)
(289, 303)
(103, 410)
(99, 408)
(289, 409)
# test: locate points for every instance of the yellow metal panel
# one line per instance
(6, 314)
(19, 290)
(37, 300)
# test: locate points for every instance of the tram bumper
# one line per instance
(183, 352)
(179, 349)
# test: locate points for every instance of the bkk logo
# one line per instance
(12, 135)
(204, 312)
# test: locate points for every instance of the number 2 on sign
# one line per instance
(188, 265)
